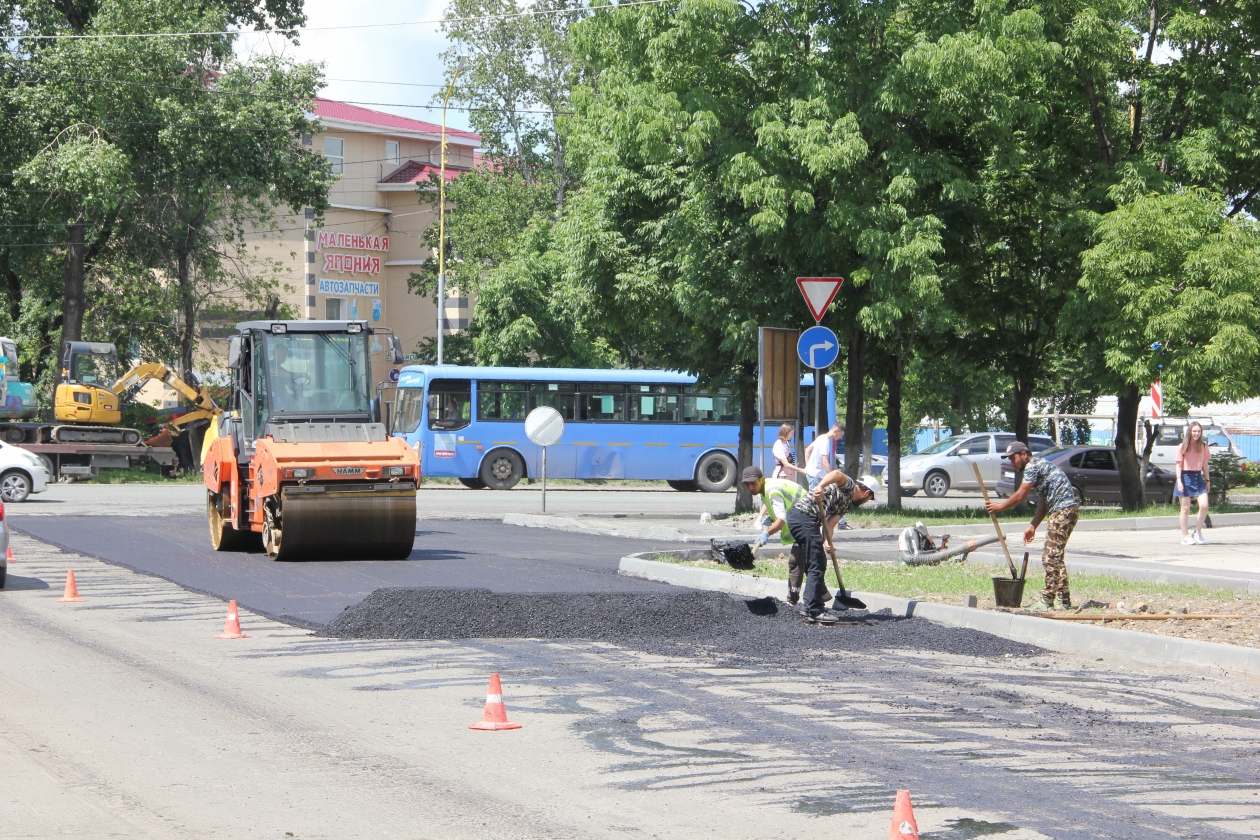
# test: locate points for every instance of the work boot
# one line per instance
(794, 595)
(825, 617)
(1065, 604)
(1042, 606)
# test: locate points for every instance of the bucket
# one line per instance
(1008, 593)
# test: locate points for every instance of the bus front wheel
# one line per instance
(716, 472)
(502, 469)
(684, 486)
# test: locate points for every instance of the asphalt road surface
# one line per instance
(451, 553)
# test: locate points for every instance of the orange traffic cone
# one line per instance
(232, 625)
(495, 716)
(903, 824)
(72, 592)
(8, 554)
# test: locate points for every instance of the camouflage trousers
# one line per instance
(1059, 527)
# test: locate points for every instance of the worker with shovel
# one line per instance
(811, 522)
(778, 496)
(1057, 505)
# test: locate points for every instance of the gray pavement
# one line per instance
(124, 717)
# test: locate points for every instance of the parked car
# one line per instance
(947, 464)
(1171, 431)
(1094, 476)
(21, 473)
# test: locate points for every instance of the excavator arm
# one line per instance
(133, 379)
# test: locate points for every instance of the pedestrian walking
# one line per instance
(785, 453)
(778, 496)
(811, 521)
(818, 454)
(1193, 481)
(1056, 504)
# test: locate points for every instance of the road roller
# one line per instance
(298, 461)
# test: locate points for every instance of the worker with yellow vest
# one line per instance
(778, 495)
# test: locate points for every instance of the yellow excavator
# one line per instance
(89, 396)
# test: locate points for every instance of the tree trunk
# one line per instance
(188, 334)
(73, 302)
(1023, 393)
(1152, 432)
(853, 409)
(744, 453)
(892, 475)
(1126, 448)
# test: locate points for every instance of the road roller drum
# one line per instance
(348, 524)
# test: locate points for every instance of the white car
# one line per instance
(21, 473)
(948, 464)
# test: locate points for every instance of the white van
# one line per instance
(1173, 429)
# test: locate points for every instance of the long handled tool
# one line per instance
(996, 526)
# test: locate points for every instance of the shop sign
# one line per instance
(361, 241)
(347, 287)
(352, 264)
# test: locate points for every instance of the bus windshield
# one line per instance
(310, 374)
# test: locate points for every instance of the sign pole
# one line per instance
(544, 489)
(760, 451)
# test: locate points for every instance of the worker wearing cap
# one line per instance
(811, 521)
(778, 495)
(1056, 504)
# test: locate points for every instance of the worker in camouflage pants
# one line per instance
(1056, 504)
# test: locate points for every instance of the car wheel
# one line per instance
(502, 469)
(15, 486)
(49, 468)
(4, 571)
(936, 485)
(684, 486)
(1078, 496)
(905, 494)
(473, 483)
(716, 472)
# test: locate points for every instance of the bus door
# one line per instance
(602, 440)
(561, 458)
(655, 412)
(449, 451)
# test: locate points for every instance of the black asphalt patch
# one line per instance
(693, 622)
(450, 553)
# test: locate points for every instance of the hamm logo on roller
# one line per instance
(348, 470)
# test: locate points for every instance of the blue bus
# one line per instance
(468, 423)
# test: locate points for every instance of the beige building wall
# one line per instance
(367, 243)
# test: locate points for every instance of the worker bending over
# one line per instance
(811, 522)
(778, 495)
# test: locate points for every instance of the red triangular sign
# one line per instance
(818, 293)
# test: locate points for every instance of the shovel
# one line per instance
(993, 516)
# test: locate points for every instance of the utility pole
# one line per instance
(441, 292)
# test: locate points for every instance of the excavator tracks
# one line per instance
(93, 434)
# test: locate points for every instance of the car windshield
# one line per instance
(940, 446)
(312, 374)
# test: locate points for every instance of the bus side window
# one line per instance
(654, 403)
(602, 401)
(720, 407)
(450, 404)
(407, 410)
(557, 395)
(500, 400)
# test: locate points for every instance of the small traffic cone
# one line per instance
(232, 625)
(8, 554)
(903, 824)
(495, 716)
(72, 592)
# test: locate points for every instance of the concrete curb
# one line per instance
(655, 532)
(1060, 636)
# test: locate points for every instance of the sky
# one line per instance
(357, 61)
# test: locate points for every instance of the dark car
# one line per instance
(1094, 476)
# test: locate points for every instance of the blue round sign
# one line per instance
(818, 347)
(393, 375)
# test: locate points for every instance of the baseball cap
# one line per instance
(1015, 448)
(870, 482)
(751, 474)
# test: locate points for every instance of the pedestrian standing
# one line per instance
(811, 521)
(1193, 481)
(778, 497)
(818, 454)
(785, 453)
(1056, 504)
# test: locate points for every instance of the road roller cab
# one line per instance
(298, 460)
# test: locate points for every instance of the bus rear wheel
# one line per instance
(502, 469)
(473, 483)
(684, 486)
(716, 472)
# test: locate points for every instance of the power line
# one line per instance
(293, 30)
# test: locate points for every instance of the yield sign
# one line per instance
(818, 293)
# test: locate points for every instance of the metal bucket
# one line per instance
(1008, 592)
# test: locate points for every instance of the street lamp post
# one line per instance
(441, 292)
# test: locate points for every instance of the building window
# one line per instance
(391, 152)
(335, 151)
(332, 309)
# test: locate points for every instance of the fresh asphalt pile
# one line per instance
(712, 623)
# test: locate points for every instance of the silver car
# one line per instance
(948, 464)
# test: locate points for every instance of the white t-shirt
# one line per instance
(780, 451)
(818, 462)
